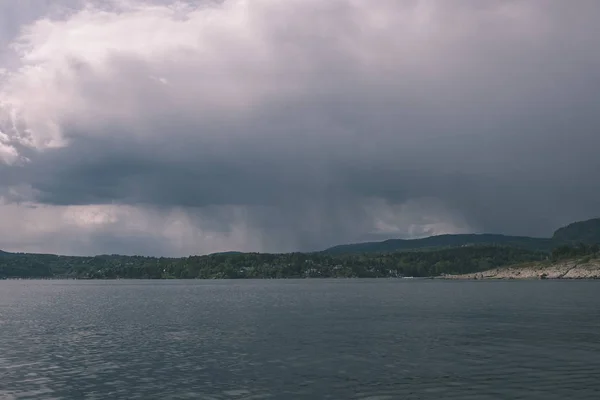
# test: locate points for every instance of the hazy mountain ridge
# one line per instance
(587, 232)
(444, 241)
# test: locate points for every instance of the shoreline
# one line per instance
(573, 270)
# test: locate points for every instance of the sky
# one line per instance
(175, 128)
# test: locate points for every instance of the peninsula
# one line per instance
(566, 269)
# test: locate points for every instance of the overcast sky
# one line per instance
(176, 128)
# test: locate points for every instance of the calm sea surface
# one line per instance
(310, 339)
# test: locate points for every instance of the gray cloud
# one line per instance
(281, 127)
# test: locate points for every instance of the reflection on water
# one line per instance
(317, 339)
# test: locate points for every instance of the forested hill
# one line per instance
(586, 232)
(443, 241)
(458, 260)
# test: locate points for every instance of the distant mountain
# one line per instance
(443, 241)
(587, 232)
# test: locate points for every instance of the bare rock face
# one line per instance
(559, 270)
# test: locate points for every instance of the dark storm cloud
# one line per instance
(318, 119)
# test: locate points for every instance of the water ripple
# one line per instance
(367, 340)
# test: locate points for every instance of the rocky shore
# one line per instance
(588, 269)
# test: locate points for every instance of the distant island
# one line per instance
(469, 256)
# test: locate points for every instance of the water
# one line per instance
(312, 339)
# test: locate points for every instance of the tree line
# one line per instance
(458, 260)
(580, 250)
